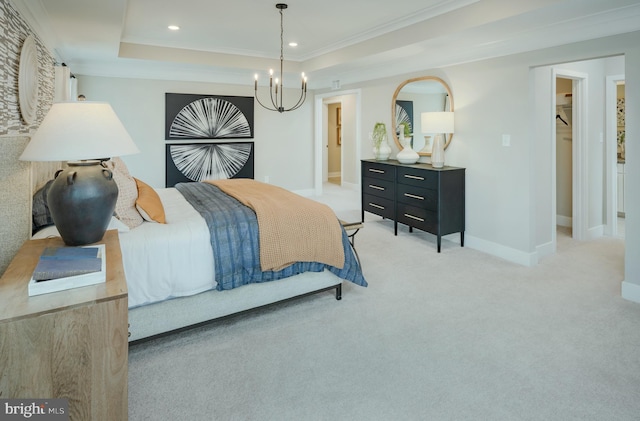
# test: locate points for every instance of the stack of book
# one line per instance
(61, 268)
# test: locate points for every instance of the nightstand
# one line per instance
(69, 344)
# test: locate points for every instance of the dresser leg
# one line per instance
(462, 239)
(439, 242)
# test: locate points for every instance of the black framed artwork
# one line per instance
(188, 162)
(404, 114)
(192, 116)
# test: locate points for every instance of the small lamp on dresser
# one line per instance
(83, 196)
(440, 124)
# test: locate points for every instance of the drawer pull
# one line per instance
(377, 187)
(414, 177)
(373, 205)
(414, 217)
(376, 171)
(414, 196)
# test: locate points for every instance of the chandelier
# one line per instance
(275, 89)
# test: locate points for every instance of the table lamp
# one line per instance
(83, 196)
(438, 123)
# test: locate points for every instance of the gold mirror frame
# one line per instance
(393, 108)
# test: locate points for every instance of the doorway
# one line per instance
(334, 143)
(570, 150)
(564, 154)
(350, 138)
(615, 154)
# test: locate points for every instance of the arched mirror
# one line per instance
(414, 97)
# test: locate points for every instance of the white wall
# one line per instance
(283, 142)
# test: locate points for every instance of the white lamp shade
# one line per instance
(73, 131)
(437, 122)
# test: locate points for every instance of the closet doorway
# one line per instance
(569, 175)
(564, 154)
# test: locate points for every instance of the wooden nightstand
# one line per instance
(69, 344)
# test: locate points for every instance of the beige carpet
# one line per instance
(458, 335)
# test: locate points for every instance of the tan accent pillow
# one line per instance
(127, 193)
(149, 204)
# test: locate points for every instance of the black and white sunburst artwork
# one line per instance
(209, 161)
(191, 116)
(209, 118)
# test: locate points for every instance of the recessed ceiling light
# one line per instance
(174, 27)
(293, 44)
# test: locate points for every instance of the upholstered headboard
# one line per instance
(15, 191)
(18, 181)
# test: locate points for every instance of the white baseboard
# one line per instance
(564, 221)
(545, 250)
(498, 250)
(595, 232)
(630, 291)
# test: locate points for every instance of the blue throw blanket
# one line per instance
(234, 239)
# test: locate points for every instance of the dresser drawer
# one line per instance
(380, 171)
(418, 197)
(418, 177)
(423, 219)
(378, 205)
(378, 187)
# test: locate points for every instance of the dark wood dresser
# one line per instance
(417, 195)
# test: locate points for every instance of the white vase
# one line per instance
(407, 155)
(382, 152)
(437, 153)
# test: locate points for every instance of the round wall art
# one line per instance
(28, 80)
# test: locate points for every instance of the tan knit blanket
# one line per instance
(291, 227)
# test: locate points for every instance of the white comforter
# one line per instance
(169, 260)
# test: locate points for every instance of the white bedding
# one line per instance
(169, 260)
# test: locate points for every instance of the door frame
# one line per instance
(321, 139)
(611, 152)
(579, 126)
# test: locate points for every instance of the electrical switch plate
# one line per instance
(506, 140)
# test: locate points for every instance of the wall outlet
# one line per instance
(266, 179)
(506, 140)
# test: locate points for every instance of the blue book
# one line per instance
(69, 252)
(63, 262)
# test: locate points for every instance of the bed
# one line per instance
(178, 273)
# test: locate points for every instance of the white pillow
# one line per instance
(52, 231)
(127, 193)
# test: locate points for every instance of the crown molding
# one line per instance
(37, 18)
